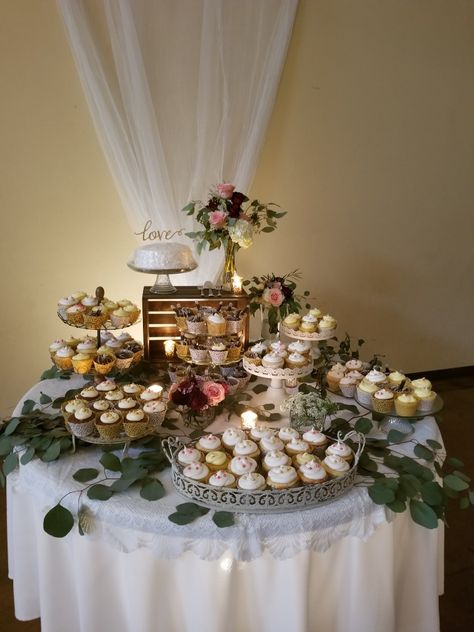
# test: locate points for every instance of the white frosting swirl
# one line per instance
(339, 449)
(297, 445)
(135, 415)
(126, 403)
(271, 443)
(314, 436)
(313, 471)
(82, 413)
(283, 474)
(336, 463)
(251, 481)
(110, 417)
(276, 458)
(245, 447)
(106, 385)
(189, 455)
(89, 392)
(240, 465)
(196, 470)
(222, 479)
(210, 442)
(260, 431)
(287, 433)
(232, 436)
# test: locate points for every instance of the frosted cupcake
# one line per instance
(376, 377)
(101, 406)
(109, 424)
(114, 396)
(271, 443)
(132, 311)
(232, 436)
(313, 472)
(308, 324)
(87, 346)
(304, 457)
(55, 346)
(126, 404)
(406, 404)
(315, 438)
(135, 423)
(241, 465)
(259, 431)
(156, 411)
(327, 325)
(89, 394)
(246, 448)
(198, 352)
(354, 365)
(63, 358)
(287, 434)
(106, 385)
(421, 382)
(120, 318)
(395, 378)
(297, 446)
(81, 422)
(302, 347)
(282, 477)
(89, 302)
(382, 400)
(333, 378)
(222, 478)
(216, 460)
(218, 352)
(196, 324)
(275, 458)
(216, 324)
(365, 390)
(75, 314)
(341, 450)
(315, 311)
(96, 317)
(273, 361)
(426, 399)
(150, 394)
(208, 443)
(189, 455)
(251, 482)
(197, 471)
(292, 321)
(260, 348)
(347, 386)
(279, 348)
(335, 465)
(296, 361)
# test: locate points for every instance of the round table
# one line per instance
(347, 564)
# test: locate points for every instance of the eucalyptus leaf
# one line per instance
(58, 521)
(269, 406)
(432, 493)
(85, 474)
(182, 518)
(45, 399)
(152, 490)
(10, 463)
(28, 406)
(122, 484)
(423, 452)
(462, 475)
(6, 444)
(464, 502)
(380, 494)
(52, 453)
(410, 484)
(111, 462)
(27, 456)
(435, 445)
(363, 425)
(99, 492)
(455, 483)
(395, 436)
(423, 514)
(11, 426)
(259, 388)
(192, 508)
(455, 462)
(397, 505)
(223, 519)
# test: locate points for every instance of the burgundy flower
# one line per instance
(213, 204)
(287, 292)
(198, 399)
(238, 198)
(235, 210)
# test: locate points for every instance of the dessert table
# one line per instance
(346, 565)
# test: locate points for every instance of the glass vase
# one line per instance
(197, 419)
(229, 265)
(265, 330)
(304, 422)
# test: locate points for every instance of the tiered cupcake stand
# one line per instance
(308, 337)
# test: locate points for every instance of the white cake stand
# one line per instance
(314, 337)
(162, 283)
(275, 391)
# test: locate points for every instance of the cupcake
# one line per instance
(78, 295)
(182, 348)
(123, 337)
(126, 404)
(308, 324)
(109, 425)
(132, 311)
(260, 348)
(296, 446)
(234, 323)
(304, 457)
(133, 389)
(426, 399)
(347, 386)
(315, 439)
(75, 314)
(156, 411)
(69, 407)
(421, 382)
(87, 346)
(376, 377)
(104, 363)
(251, 482)
(253, 358)
(113, 345)
(101, 406)
(217, 460)
(287, 434)
(275, 458)
(89, 302)
(196, 324)
(151, 393)
(395, 378)
(65, 302)
(189, 455)
(315, 311)
(296, 361)
(120, 318)
(234, 348)
(354, 365)
(89, 394)
(271, 443)
(382, 400)
(96, 317)
(222, 478)
(198, 352)
(123, 359)
(197, 471)
(232, 436)
(292, 321)
(55, 346)
(114, 396)
(241, 465)
(365, 390)
(63, 358)
(406, 404)
(333, 379)
(282, 477)
(273, 361)
(135, 423)
(208, 443)
(335, 465)
(81, 422)
(300, 346)
(72, 342)
(259, 431)
(312, 472)
(106, 385)
(341, 450)
(218, 352)
(123, 302)
(136, 348)
(278, 347)
(327, 325)
(355, 375)
(246, 448)
(216, 324)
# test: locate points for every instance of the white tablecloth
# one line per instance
(347, 565)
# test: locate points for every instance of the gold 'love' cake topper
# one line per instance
(161, 235)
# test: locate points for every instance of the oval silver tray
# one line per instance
(304, 335)
(266, 501)
(282, 374)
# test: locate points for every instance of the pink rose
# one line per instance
(225, 190)
(274, 296)
(217, 219)
(214, 392)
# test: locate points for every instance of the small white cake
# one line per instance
(164, 256)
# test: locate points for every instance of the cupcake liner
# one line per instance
(402, 408)
(333, 383)
(94, 322)
(364, 397)
(124, 363)
(234, 353)
(109, 431)
(382, 405)
(77, 318)
(216, 329)
(181, 322)
(218, 356)
(119, 321)
(234, 326)
(65, 364)
(136, 428)
(198, 355)
(182, 351)
(81, 428)
(156, 419)
(196, 327)
(425, 405)
(104, 369)
(133, 316)
(82, 366)
(347, 390)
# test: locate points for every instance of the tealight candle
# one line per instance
(237, 283)
(249, 419)
(169, 348)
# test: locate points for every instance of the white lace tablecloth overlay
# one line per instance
(128, 523)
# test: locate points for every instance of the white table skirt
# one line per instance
(390, 581)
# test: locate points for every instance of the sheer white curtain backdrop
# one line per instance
(180, 92)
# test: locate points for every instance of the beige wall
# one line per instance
(369, 148)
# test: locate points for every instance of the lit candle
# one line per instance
(169, 348)
(237, 283)
(249, 419)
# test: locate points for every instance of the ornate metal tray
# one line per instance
(304, 335)
(282, 374)
(266, 501)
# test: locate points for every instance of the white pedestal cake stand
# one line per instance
(275, 390)
(162, 283)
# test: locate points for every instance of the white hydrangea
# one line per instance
(242, 233)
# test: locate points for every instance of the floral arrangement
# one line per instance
(308, 407)
(197, 393)
(227, 218)
(276, 296)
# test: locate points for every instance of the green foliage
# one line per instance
(58, 521)
(187, 513)
(85, 474)
(223, 519)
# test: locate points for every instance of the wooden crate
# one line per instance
(159, 322)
